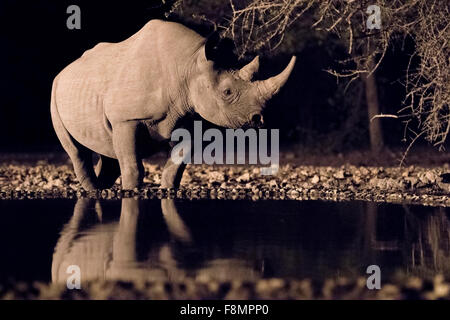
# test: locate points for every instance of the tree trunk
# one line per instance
(373, 108)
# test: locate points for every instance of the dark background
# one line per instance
(37, 45)
(312, 110)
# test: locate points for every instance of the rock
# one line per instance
(392, 184)
(304, 172)
(412, 181)
(430, 176)
(339, 175)
(244, 178)
(364, 171)
(315, 179)
(217, 176)
(273, 183)
(422, 178)
(381, 183)
(373, 182)
(357, 180)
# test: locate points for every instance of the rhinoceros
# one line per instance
(123, 100)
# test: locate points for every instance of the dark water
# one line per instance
(154, 239)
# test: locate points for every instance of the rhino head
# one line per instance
(229, 98)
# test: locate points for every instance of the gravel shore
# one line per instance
(394, 184)
(356, 289)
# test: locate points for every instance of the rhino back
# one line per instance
(129, 80)
(150, 71)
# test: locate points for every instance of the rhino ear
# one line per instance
(212, 46)
(220, 51)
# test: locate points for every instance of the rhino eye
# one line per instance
(227, 92)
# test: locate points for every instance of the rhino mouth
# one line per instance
(253, 120)
(257, 120)
(252, 125)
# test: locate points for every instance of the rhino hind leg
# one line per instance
(80, 156)
(83, 167)
(107, 171)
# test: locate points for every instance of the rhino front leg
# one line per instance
(172, 174)
(125, 147)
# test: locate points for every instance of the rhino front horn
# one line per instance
(246, 72)
(271, 86)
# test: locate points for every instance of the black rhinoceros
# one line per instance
(121, 100)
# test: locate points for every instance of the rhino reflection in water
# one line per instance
(113, 250)
(239, 240)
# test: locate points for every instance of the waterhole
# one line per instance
(144, 240)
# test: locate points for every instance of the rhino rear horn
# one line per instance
(246, 72)
(271, 86)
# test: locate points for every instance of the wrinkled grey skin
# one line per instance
(121, 100)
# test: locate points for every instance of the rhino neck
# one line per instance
(179, 107)
(181, 103)
(177, 110)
